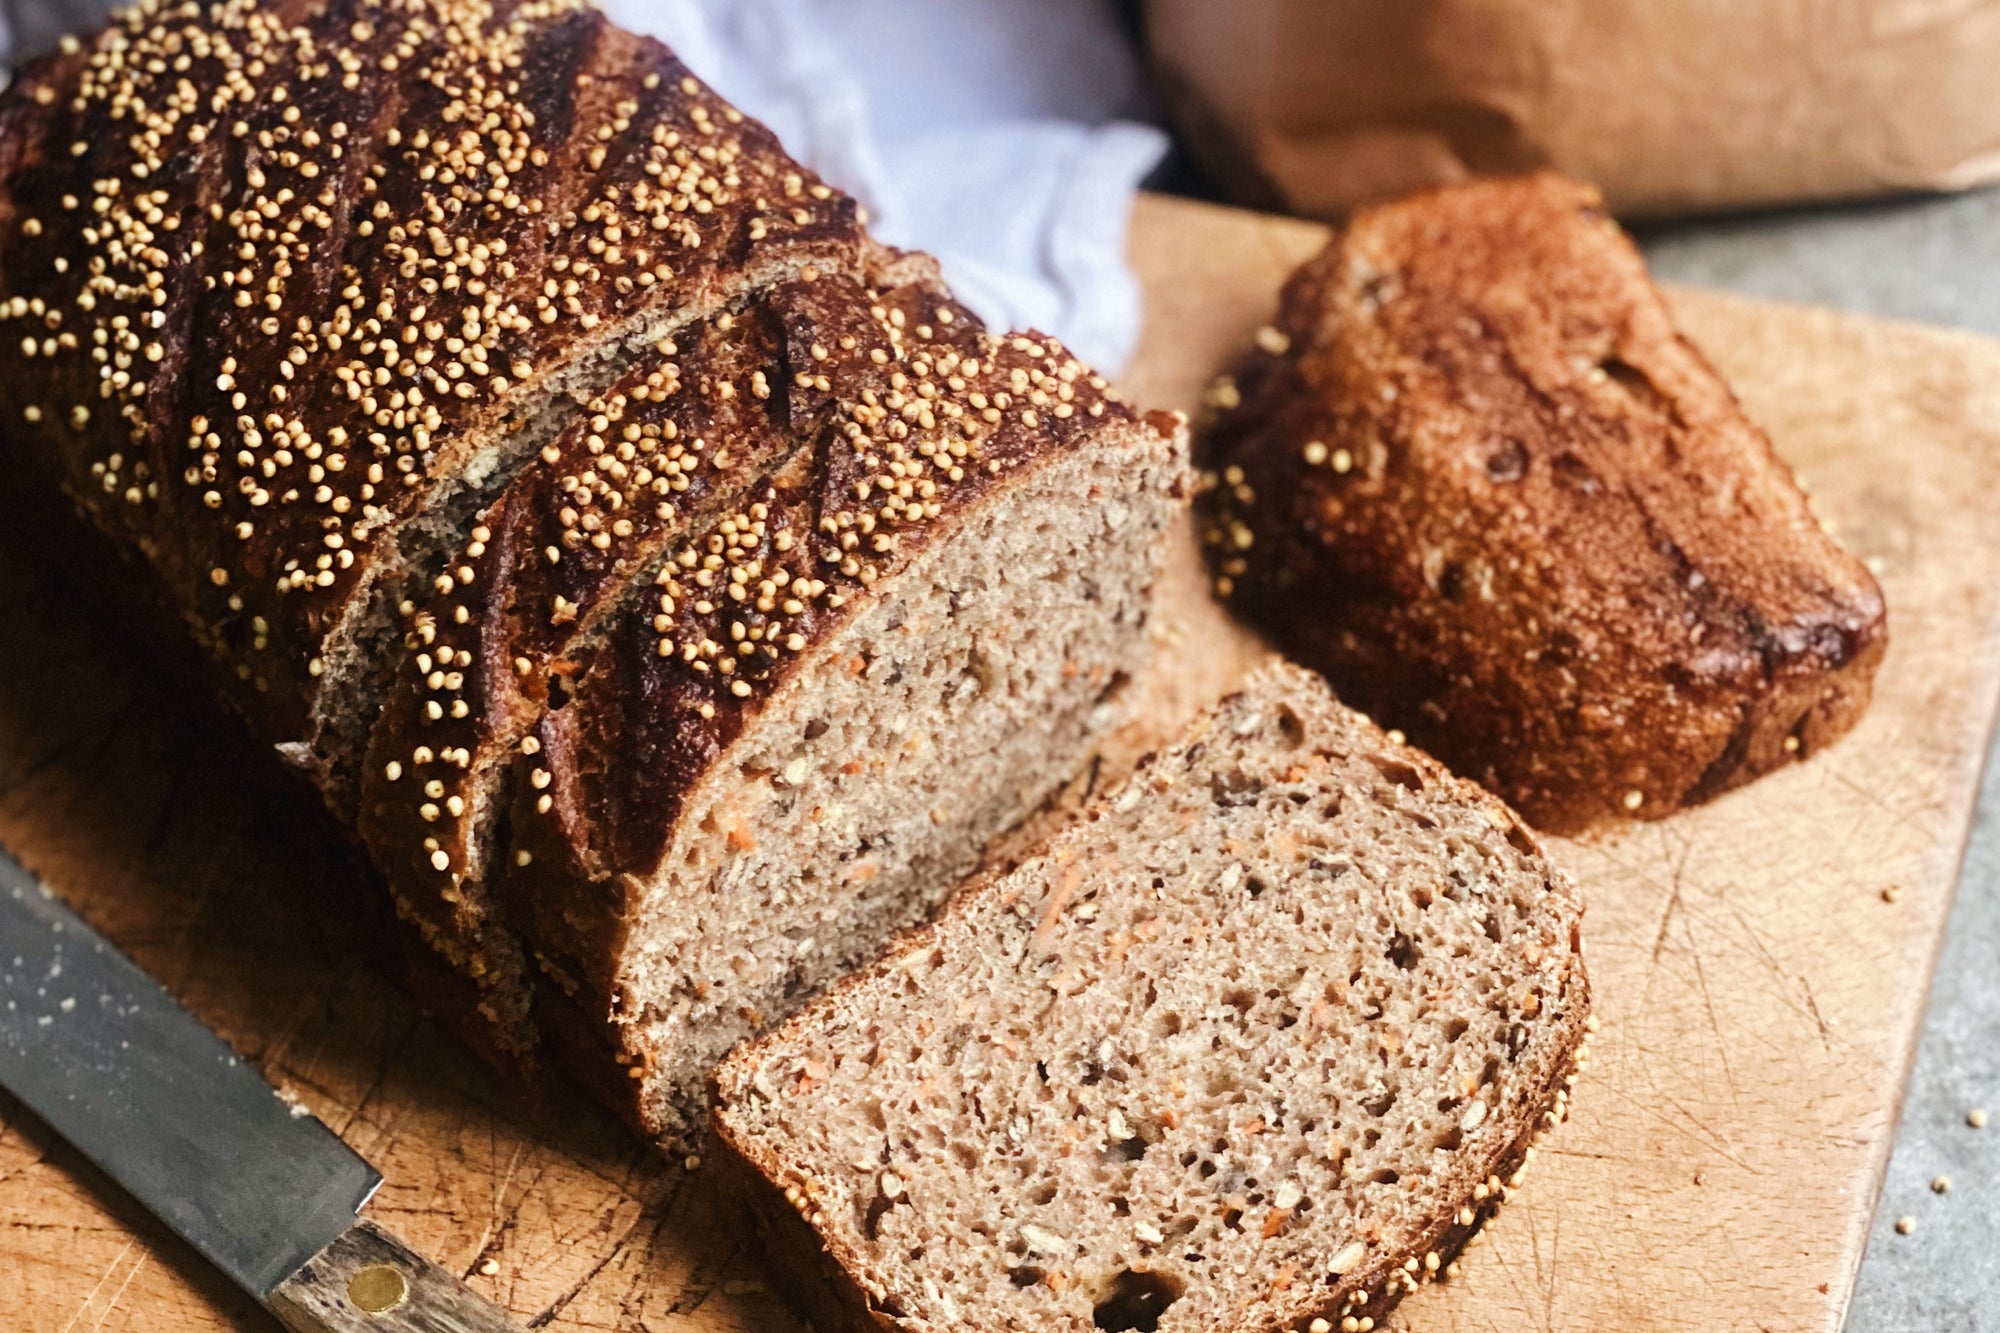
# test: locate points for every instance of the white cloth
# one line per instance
(997, 134)
(1000, 135)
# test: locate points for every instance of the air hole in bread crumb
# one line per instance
(1387, 1176)
(1398, 772)
(1289, 726)
(1233, 789)
(1636, 385)
(1578, 474)
(1136, 1301)
(878, 1207)
(1508, 462)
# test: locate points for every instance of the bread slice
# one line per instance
(1475, 476)
(1262, 1040)
(825, 704)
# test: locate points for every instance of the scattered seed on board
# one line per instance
(1941, 1184)
(1905, 1225)
(1976, 1117)
(490, 1268)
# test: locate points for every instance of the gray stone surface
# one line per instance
(1936, 261)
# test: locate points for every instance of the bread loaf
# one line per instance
(1261, 1041)
(1475, 476)
(413, 351)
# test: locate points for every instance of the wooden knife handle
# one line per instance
(367, 1281)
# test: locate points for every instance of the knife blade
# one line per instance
(263, 1190)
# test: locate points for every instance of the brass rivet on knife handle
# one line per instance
(367, 1281)
(377, 1289)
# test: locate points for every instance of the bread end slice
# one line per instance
(1476, 476)
(1262, 1040)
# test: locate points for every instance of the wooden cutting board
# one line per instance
(1760, 995)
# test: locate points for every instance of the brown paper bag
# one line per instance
(1671, 106)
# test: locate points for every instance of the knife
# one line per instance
(265, 1192)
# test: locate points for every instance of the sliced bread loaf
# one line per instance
(551, 469)
(1475, 475)
(1260, 1041)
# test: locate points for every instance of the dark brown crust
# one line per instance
(353, 183)
(1478, 479)
(824, 1280)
